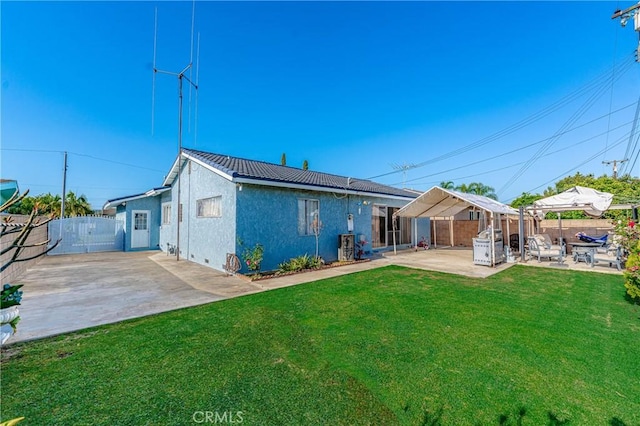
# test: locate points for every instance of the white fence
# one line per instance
(86, 234)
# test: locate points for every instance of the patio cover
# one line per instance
(440, 202)
(593, 203)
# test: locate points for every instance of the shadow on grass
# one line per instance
(505, 419)
(617, 422)
(434, 418)
(632, 300)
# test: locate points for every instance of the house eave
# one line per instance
(173, 173)
(261, 182)
(118, 201)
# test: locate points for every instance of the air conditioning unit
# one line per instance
(346, 247)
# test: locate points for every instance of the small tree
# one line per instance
(11, 295)
(316, 228)
(305, 165)
(283, 159)
(252, 256)
(21, 234)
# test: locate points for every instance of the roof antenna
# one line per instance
(404, 167)
(181, 75)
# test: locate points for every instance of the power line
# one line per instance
(493, 157)
(593, 157)
(618, 142)
(522, 162)
(596, 82)
(579, 113)
(84, 155)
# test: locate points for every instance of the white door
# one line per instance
(140, 228)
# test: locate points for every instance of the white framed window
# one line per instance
(474, 214)
(308, 216)
(209, 207)
(166, 213)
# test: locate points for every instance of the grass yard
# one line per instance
(530, 346)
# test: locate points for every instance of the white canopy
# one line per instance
(439, 202)
(593, 203)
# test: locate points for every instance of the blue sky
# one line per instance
(355, 88)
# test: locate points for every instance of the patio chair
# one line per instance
(540, 248)
(612, 254)
(551, 246)
(514, 242)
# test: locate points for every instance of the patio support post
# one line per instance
(451, 239)
(393, 227)
(493, 242)
(508, 235)
(521, 231)
(560, 238)
(435, 235)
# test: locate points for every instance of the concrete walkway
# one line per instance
(71, 292)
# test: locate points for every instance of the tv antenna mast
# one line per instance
(404, 167)
(182, 76)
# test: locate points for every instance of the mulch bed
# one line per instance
(275, 274)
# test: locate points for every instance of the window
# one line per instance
(166, 213)
(209, 207)
(140, 221)
(308, 216)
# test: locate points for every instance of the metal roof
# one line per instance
(241, 170)
(150, 193)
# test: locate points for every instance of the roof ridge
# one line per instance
(279, 165)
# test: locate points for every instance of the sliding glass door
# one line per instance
(382, 227)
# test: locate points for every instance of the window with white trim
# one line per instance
(166, 213)
(308, 216)
(209, 207)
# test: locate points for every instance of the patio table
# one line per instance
(584, 252)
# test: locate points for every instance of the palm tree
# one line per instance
(478, 189)
(463, 188)
(447, 185)
(77, 206)
(48, 204)
(484, 190)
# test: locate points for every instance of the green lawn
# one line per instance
(529, 346)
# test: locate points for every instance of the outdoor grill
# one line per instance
(482, 249)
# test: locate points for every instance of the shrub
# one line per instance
(628, 236)
(252, 257)
(300, 263)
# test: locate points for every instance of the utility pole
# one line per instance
(64, 186)
(615, 165)
(624, 16)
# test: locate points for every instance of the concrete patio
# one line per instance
(457, 260)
